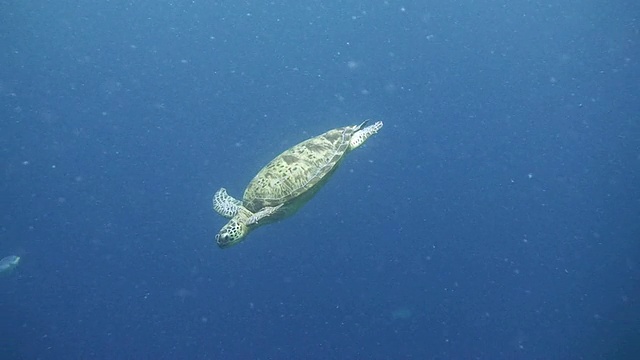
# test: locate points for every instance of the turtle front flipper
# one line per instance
(360, 136)
(224, 204)
(265, 212)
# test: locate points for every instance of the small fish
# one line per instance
(8, 263)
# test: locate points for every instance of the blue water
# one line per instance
(495, 216)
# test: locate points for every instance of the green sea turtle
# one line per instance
(287, 182)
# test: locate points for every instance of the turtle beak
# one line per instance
(224, 240)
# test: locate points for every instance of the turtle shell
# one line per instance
(294, 176)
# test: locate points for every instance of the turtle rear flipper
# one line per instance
(224, 204)
(362, 134)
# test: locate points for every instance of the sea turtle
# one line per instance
(287, 182)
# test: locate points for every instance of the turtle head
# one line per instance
(243, 222)
(232, 233)
(236, 229)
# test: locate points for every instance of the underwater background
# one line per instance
(495, 216)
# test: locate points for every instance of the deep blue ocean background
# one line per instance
(495, 216)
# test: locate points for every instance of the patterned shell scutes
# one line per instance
(298, 169)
